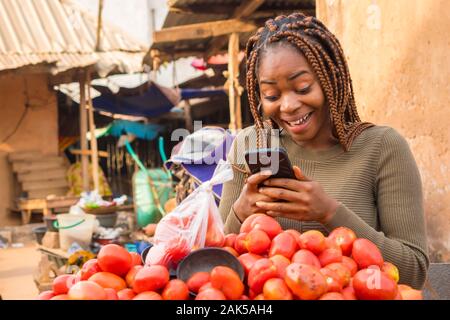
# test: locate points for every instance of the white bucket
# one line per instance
(75, 228)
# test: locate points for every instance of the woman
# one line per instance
(353, 174)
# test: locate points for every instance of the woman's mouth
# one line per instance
(300, 124)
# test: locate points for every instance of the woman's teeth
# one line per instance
(301, 120)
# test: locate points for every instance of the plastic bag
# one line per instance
(193, 224)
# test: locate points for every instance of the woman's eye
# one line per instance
(270, 98)
(304, 90)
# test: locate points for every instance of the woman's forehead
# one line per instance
(281, 59)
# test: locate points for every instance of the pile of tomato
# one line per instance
(279, 265)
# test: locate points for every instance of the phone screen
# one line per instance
(273, 159)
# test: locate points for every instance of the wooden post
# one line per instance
(94, 147)
(188, 116)
(233, 83)
(83, 131)
(98, 44)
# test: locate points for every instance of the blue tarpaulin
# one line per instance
(201, 93)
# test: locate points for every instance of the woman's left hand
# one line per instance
(304, 199)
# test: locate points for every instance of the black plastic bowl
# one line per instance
(205, 260)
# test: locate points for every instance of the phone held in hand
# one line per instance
(274, 159)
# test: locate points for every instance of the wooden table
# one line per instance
(47, 206)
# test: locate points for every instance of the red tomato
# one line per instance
(148, 295)
(230, 239)
(151, 278)
(89, 268)
(211, 294)
(257, 241)
(46, 295)
(262, 270)
(350, 264)
(126, 294)
(60, 297)
(330, 255)
(111, 294)
(276, 289)
(372, 284)
(344, 238)
(197, 280)
(248, 260)
(109, 280)
(305, 281)
(283, 244)
(314, 241)
(366, 253)
(129, 278)
(60, 283)
(228, 281)
(115, 259)
(176, 290)
(281, 263)
(87, 290)
(136, 259)
(306, 257)
(332, 296)
(262, 222)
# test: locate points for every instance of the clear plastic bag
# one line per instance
(193, 224)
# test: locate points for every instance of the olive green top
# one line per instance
(377, 183)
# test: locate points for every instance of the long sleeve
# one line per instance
(230, 193)
(400, 212)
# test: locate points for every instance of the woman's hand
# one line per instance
(245, 205)
(304, 199)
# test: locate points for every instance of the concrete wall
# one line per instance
(38, 130)
(398, 54)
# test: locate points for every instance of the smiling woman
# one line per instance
(349, 173)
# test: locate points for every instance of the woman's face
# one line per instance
(291, 95)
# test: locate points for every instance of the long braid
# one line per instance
(325, 55)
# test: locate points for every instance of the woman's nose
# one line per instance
(289, 103)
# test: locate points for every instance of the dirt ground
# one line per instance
(17, 266)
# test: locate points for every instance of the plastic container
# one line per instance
(75, 228)
(49, 222)
(39, 233)
(107, 220)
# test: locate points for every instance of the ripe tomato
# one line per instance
(350, 264)
(148, 295)
(305, 281)
(281, 263)
(344, 238)
(314, 241)
(46, 295)
(129, 278)
(59, 285)
(87, 290)
(176, 290)
(211, 294)
(332, 278)
(257, 241)
(60, 297)
(332, 296)
(111, 294)
(248, 260)
(330, 255)
(262, 270)
(372, 284)
(136, 259)
(342, 272)
(391, 270)
(115, 259)
(366, 253)
(109, 280)
(296, 235)
(276, 289)
(304, 256)
(126, 294)
(283, 244)
(151, 278)
(89, 268)
(230, 239)
(231, 250)
(261, 222)
(197, 280)
(228, 281)
(239, 243)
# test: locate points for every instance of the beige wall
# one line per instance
(38, 131)
(399, 58)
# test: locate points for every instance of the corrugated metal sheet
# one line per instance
(61, 33)
(184, 12)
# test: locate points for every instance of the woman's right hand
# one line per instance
(245, 205)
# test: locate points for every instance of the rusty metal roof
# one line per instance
(60, 33)
(185, 12)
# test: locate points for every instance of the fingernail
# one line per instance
(260, 189)
(259, 203)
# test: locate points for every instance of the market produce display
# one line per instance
(279, 265)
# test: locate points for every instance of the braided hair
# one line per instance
(324, 53)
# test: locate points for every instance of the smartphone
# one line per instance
(273, 159)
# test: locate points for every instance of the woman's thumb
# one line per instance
(299, 174)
